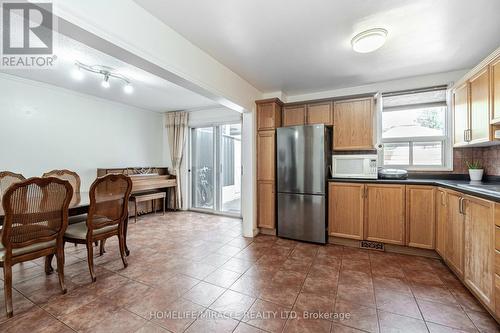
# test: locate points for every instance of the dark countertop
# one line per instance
(453, 184)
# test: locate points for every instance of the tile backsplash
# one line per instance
(488, 156)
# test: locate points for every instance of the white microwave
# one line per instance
(354, 166)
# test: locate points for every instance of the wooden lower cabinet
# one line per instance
(454, 247)
(346, 210)
(266, 204)
(479, 254)
(441, 221)
(385, 213)
(420, 216)
(497, 295)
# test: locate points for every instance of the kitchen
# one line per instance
(250, 166)
(320, 177)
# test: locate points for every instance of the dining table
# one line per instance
(80, 203)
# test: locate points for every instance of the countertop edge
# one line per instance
(449, 184)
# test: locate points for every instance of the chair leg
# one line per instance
(135, 215)
(90, 260)
(60, 268)
(121, 242)
(101, 247)
(48, 264)
(7, 283)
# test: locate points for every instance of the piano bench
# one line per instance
(147, 196)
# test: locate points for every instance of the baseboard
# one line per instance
(388, 247)
(266, 231)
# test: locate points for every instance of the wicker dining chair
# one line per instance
(36, 216)
(74, 179)
(71, 176)
(108, 210)
(8, 178)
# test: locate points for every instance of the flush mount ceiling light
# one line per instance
(106, 72)
(369, 40)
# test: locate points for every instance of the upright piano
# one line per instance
(147, 179)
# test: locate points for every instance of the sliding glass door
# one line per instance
(216, 169)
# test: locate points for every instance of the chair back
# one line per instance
(36, 211)
(71, 176)
(8, 178)
(109, 197)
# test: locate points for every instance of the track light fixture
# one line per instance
(106, 72)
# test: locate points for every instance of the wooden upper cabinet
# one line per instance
(385, 213)
(319, 113)
(346, 210)
(495, 90)
(266, 204)
(479, 262)
(354, 123)
(461, 114)
(420, 216)
(454, 247)
(268, 114)
(441, 221)
(294, 115)
(480, 107)
(266, 143)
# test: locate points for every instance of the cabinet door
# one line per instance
(266, 204)
(268, 116)
(385, 213)
(480, 248)
(266, 141)
(480, 107)
(294, 115)
(461, 114)
(354, 124)
(455, 234)
(441, 220)
(495, 89)
(320, 113)
(420, 216)
(345, 210)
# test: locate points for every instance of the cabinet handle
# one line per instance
(461, 206)
(465, 135)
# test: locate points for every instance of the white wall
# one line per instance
(43, 127)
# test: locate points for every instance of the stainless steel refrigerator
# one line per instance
(303, 160)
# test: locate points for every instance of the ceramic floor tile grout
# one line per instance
(175, 256)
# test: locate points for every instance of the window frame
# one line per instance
(446, 151)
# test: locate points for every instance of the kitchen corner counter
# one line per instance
(456, 185)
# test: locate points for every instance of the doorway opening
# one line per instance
(215, 168)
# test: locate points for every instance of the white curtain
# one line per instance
(176, 124)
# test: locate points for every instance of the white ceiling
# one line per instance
(304, 45)
(150, 92)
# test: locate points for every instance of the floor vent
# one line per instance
(372, 245)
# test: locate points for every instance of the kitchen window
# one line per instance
(414, 129)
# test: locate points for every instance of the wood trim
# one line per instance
(270, 100)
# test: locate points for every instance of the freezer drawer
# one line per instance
(302, 217)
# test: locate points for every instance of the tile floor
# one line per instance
(195, 273)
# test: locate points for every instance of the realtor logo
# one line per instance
(27, 34)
